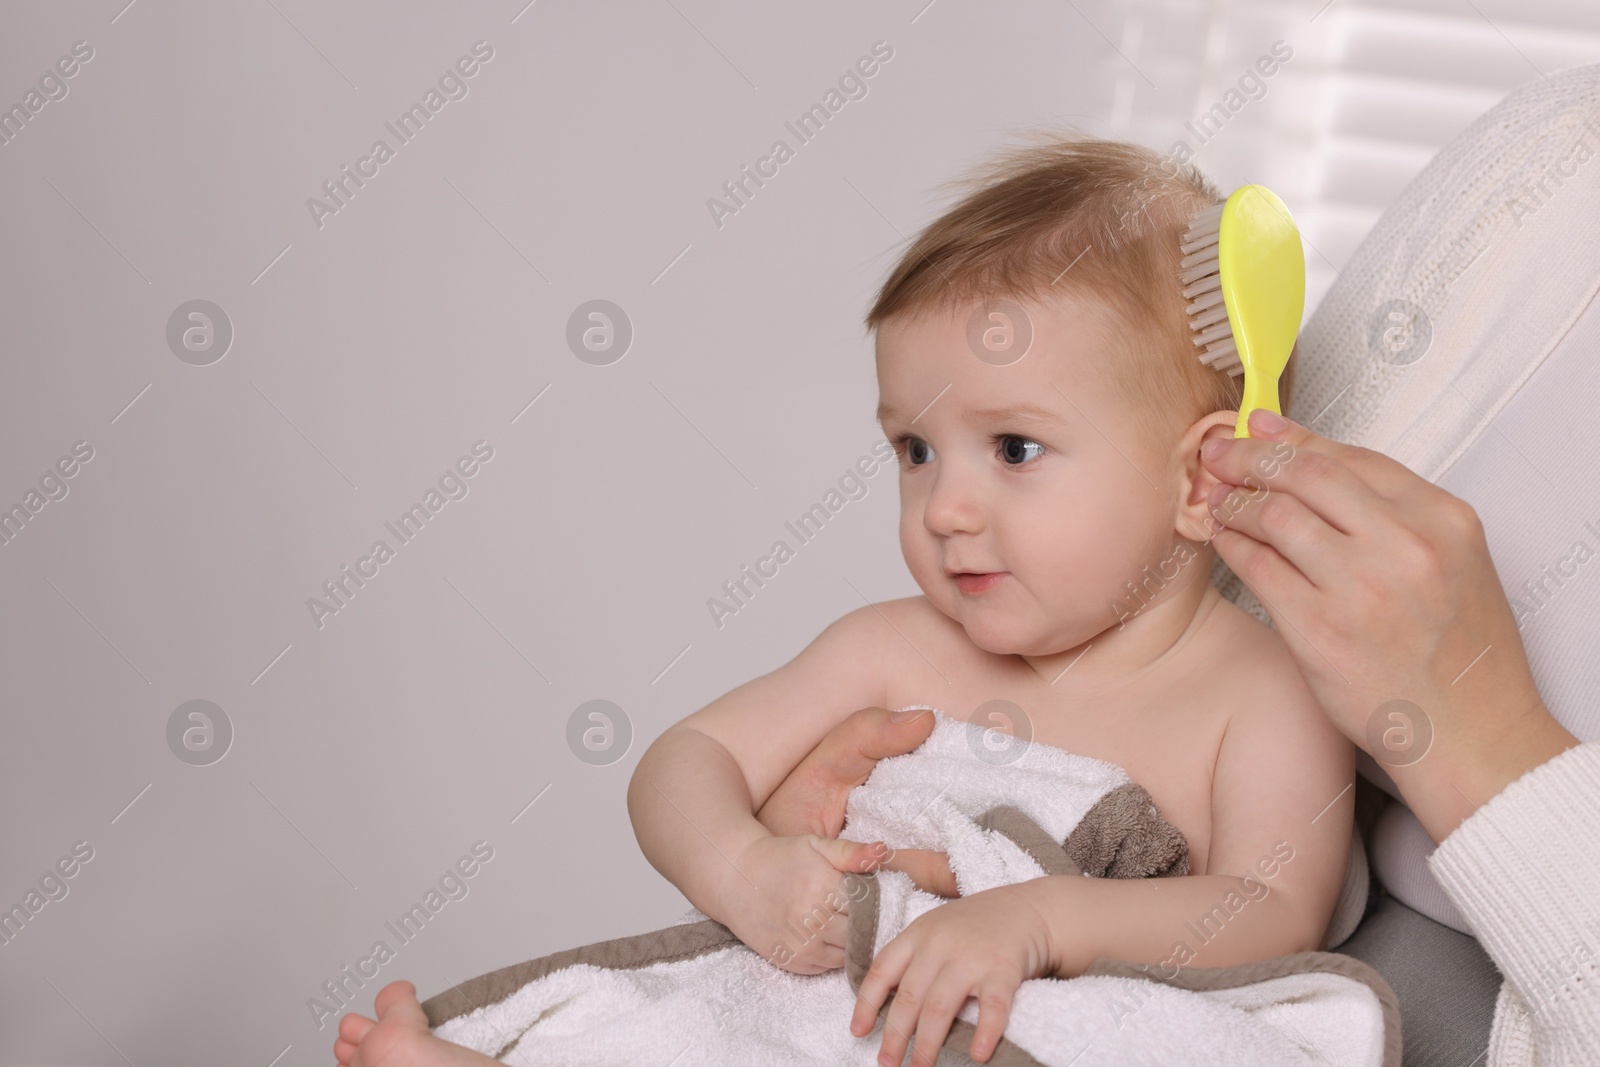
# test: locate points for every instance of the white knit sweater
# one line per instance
(1495, 249)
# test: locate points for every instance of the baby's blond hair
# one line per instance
(1101, 218)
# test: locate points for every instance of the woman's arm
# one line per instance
(1524, 872)
(1385, 592)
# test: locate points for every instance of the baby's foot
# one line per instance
(400, 1037)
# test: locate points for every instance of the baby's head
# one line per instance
(1053, 286)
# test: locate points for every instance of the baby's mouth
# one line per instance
(973, 584)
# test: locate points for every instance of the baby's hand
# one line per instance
(788, 898)
(984, 945)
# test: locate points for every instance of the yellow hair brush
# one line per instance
(1244, 271)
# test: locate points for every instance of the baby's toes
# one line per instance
(398, 1001)
(352, 1028)
(401, 1037)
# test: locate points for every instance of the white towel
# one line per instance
(1002, 809)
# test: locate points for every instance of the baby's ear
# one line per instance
(1195, 483)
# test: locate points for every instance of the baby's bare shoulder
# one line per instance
(914, 629)
(1262, 683)
(1255, 645)
(903, 620)
(768, 724)
(1257, 675)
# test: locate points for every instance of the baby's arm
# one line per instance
(693, 796)
(1281, 812)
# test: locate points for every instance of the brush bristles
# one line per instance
(1201, 278)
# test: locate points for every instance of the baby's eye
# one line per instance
(915, 449)
(1014, 449)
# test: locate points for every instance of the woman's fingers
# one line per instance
(1313, 470)
(1315, 502)
(1384, 475)
(811, 800)
(1276, 582)
(1292, 547)
(930, 870)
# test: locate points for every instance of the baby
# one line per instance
(1038, 383)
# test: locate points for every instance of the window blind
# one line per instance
(1371, 92)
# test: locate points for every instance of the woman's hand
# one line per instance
(811, 799)
(985, 945)
(1382, 586)
(930, 870)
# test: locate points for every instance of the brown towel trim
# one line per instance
(1029, 836)
(682, 942)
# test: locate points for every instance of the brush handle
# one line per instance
(1257, 394)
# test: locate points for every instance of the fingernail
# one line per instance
(1219, 493)
(1216, 447)
(1267, 421)
(902, 716)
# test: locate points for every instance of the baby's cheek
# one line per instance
(921, 556)
(1085, 578)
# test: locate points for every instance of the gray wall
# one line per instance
(372, 347)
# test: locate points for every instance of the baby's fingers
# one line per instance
(945, 998)
(881, 977)
(994, 1011)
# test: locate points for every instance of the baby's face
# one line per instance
(1067, 503)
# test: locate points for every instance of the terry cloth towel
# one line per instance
(1005, 811)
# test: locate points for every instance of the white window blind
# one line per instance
(1371, 93)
